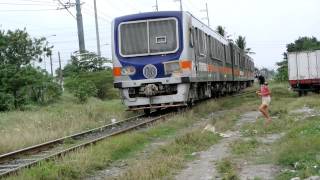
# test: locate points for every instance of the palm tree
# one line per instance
(221, 30)
(241, 42)
(248, 51)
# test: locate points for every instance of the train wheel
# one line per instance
(300, 93)
(147, 111)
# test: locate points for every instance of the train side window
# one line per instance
(191, 40)
(224, 53)
(211, 47)
(201, 42)
(208, 45)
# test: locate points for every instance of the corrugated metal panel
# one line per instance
(163, 36)
(303, 67)
(292, 66)
(134, 38)
(312, 56)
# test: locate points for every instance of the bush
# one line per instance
(81, 89)
(6, 102)
(102, 80)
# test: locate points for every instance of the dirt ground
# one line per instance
(204, 168)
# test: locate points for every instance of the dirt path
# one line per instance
(205, 166)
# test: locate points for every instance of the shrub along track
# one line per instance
(12, 162)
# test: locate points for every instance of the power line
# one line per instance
(23, 4)
(66, 7)
(27, 10)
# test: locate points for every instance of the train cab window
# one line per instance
(148, 37)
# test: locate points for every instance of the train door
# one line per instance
(194, 45)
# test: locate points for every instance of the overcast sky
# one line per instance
(268, 25)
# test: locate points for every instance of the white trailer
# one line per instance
(304, 71)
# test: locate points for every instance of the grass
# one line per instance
(227, 169)
(20, 129)
(159, 164)
(243, 147)
(299, 150)
(170, 157)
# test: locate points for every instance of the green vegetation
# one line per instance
(227, 169)
(244, 146)
(161, 162)
(171, 157)
(221, 30)
(85, 76)
(20, 83)
(300, 150)
(20, 129)
(304, 44)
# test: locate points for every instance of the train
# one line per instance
(171, 59)
(304, 71)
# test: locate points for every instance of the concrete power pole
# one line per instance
(207, 14)
(180, 1)
(181, 5)
(97, 28)
(157, 7)
(51, 68)
(60, 72)
(80, 27)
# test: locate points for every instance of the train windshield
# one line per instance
(148, 37)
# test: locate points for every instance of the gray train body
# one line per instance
(167, 59)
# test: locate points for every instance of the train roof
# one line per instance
(159, 14)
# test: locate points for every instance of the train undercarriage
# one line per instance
(159, 96)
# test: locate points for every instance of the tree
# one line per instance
(90, 68)
(304, 44)
(241, 42)
(221, 30)
(282, 71)
(18, 78)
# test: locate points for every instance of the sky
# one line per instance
(268, 25)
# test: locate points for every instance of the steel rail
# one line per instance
(9, 163)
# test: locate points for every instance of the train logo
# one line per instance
(150, 71)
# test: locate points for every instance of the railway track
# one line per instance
(12, 162)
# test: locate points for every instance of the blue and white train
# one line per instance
(169, 59)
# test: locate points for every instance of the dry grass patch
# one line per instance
(20, 129)
(171, 157)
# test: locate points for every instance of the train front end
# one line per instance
(148, 60)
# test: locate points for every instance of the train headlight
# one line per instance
(128, 70)
(172, 67)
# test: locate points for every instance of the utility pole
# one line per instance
(60, 71)
(80, 27)
(157, 7)
(51, 65)
(180, 4)
(97, 28)
(207, 14)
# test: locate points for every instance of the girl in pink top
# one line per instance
(266, 99)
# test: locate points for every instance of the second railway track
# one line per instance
(12, 162)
